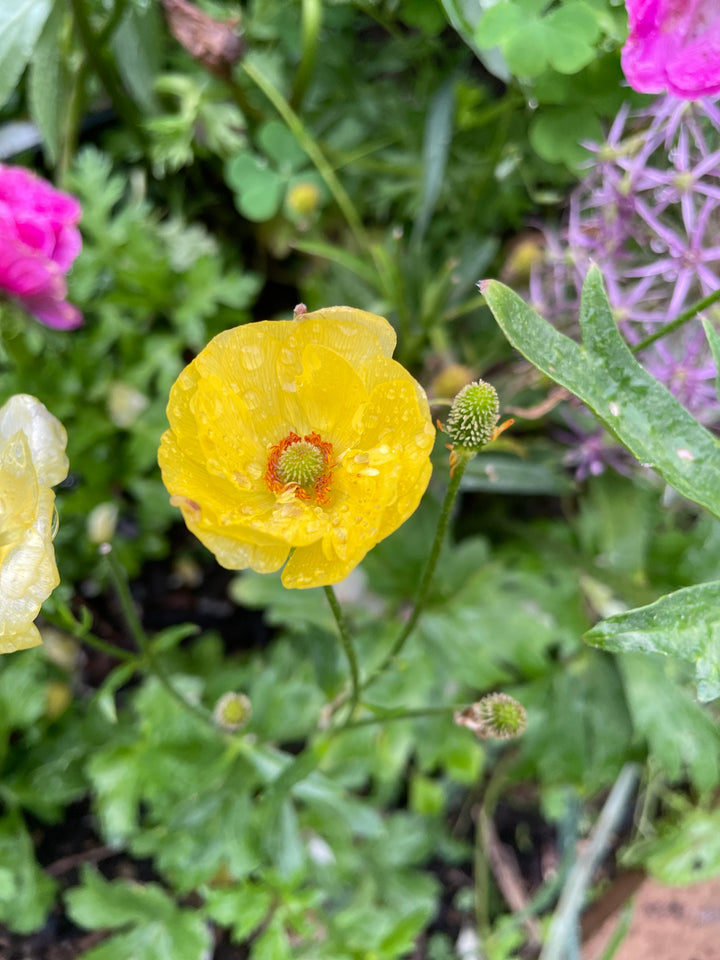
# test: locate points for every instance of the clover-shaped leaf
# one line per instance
(531, 41)
(281, 147)
(258, 188)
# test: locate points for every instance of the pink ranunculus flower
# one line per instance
(673, 45)
(39, 240)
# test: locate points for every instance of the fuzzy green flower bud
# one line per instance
(497, 716)
(473, 416)
(232, 711)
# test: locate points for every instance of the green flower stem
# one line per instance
(113, 21)
(311, 22)
(347, 643)
(120, 582)
(306, 141)
(682, 318)
(67, 622)
(411, 714)
(451, 494)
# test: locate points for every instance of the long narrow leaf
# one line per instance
(603, 373)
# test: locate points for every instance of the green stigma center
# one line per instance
(302, 463)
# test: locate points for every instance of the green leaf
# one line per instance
(22, 690)
(335, 254)
(525, 49)
(557, 134)
(137, 44)
(571, 33)
(680, 733)
(26, 893)
(683, 624)
(436, 146)
(49, 83)
(604, 374)
(713, 338)
(242, 907)
(273, 943)
(687, 853)
(281, 146)
(154, 927)
(258, 188)
(579, 730)
(499, 473)
(20, 24)
(497, 24)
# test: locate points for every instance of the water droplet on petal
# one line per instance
(251, 357)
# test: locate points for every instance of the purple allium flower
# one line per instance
(648, 213)
(592, 449)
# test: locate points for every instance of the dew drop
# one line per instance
(255, 470)
(251, 357)
(252, 400)
(241, 480)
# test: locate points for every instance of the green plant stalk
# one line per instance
(67, 622)
(348, 646)
(107, 72)
(120, 582)
(306, 141)
(681, 319)
(450, 495)
(481, 867)
(112, 22)
(312, 12)
(412, 714)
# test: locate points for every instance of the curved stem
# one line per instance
(113, 21)
(307, 142)
(66, 621)
(347, 643)
(120, 582)
(311, 22)
(445, 513)
(411, 714)
(682, 318)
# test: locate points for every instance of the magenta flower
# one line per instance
(39, 240)
(673, 45)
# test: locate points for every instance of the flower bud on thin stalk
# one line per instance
(232, 711)
(472, 422)
(495, 717)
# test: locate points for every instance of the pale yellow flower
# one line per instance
(298, 443)
(32, 460)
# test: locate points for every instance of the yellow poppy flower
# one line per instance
(297, 439)
(32, 460)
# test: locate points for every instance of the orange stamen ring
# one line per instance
(312, 479)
